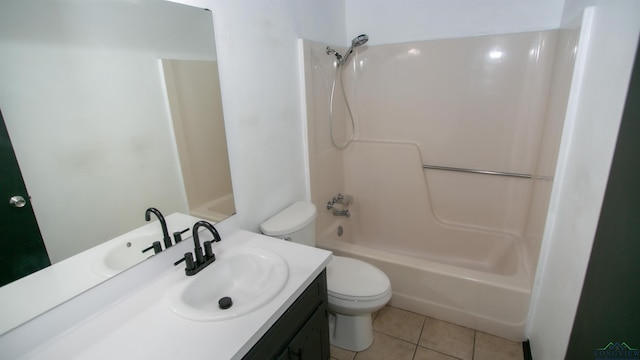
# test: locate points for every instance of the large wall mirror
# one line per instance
(98, 101)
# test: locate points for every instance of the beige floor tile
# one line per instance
(447, 338)
(387, 348)
(398, 323)
(341, 354)
(489, 347)
(426, 354)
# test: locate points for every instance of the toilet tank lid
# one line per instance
(290, 220)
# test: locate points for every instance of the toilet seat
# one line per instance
(355, 280)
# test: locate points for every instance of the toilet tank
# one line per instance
(296, 223)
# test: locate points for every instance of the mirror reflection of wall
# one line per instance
(83, 97)
(194, 95)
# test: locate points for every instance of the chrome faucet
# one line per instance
(344, 213)
(202, 259)
(345, 200)
(163, 224)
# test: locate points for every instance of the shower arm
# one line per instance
(330, 51)
(357, 41)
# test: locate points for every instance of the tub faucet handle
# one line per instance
(345, 200)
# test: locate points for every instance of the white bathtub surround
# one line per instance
(217, 209)
(493, 302)
(142, 326)
(467, 242)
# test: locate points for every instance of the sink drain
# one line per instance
(225, 303)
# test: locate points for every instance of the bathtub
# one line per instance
(216, 210)
(484, 287)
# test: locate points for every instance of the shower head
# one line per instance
(357, 41)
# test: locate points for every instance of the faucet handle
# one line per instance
(345, 200)
(188, 259)
(330, 204)
(177, 235)
(208, 251)
(156, 248)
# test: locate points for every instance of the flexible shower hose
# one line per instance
(346, 101)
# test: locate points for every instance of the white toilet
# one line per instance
(355, 288)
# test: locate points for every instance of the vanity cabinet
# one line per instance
(302, 333)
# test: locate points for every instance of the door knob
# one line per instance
(17, 201)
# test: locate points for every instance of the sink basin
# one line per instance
(123, 252)
(250, 276)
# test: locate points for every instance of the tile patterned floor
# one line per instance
(403, 335)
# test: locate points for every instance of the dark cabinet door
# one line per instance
(302, 332)
(312, 342)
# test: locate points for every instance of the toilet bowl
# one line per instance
(355, 288)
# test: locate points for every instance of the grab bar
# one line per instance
(484, 172)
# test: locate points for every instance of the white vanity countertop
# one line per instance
(64, 280)
(141, 326)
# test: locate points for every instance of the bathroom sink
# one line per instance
(249, 276)
(123, 252)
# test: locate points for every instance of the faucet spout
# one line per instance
(208, 226)
(163, 224)
(200, 256)
(202, 259)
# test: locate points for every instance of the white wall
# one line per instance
(603, 67)
(573, 10)
(396, 21)
(262, 98)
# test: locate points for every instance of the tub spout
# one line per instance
(344, 213)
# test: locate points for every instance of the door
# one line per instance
(22, 250)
